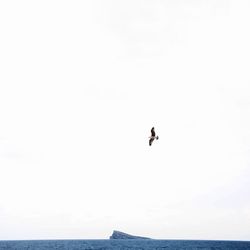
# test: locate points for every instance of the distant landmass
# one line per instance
(117, 235)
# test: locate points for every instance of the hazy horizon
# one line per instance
(81, 85)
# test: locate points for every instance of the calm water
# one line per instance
(124, 245)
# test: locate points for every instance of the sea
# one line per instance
(123, 245)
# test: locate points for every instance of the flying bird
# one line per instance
(153, 136)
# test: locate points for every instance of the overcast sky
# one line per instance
(81, 85)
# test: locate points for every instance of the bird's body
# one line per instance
(153, 136)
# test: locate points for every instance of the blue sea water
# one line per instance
(124, 245)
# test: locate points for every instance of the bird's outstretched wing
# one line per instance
(153, 132)
(151, 140)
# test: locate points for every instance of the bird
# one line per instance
(152, 137)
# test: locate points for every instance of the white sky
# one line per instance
(81, 85)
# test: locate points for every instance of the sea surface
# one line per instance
(124, 245)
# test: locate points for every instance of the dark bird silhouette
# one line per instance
(152, 137)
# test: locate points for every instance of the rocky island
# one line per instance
(117, 235)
